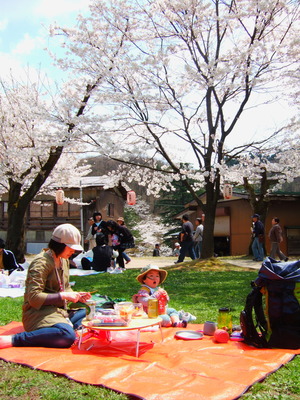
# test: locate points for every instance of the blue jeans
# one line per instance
(186, 246)
(58, 336)
(166, 318)
(257, 249)
(198, 248)
(126, 257)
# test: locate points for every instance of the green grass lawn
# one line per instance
(198, 287)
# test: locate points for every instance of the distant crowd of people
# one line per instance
(190, 240)
(106, 237)
(117, 237)
(108, 241)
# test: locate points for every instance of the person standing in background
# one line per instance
(258, 231)
(125, 239)
(99, 225)
(176, 249)
(186, 239)
(275, 235)
(126, 257)
(156, 251)
(198, 237)
(89, 237)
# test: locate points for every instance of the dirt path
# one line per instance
(162, 262)
(140, 262)
(136, 262)
(244, 263)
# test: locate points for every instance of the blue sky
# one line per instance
(24, 31)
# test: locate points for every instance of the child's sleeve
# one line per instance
(143, 296)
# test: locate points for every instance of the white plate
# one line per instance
(188, 335)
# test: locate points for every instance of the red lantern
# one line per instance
(59, 197)
(227, 191)
(131, 198)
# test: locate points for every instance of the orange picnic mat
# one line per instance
(169, 370)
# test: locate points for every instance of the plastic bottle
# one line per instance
(225, 319)
(162, 304)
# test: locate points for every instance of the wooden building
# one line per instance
(93, 193)
(232, 233)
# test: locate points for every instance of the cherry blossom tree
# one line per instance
(266, 169)
(181, 81)
(150, 227)
(40, 132)
(35, 151)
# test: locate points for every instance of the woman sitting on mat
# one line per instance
(46, 320)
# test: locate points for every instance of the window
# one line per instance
(110, 209)
(63, 210)
(40, 236)
(47, 209)
(68, 210)
(35, 210)
(41, 209)
(5, 207)
(74, 210)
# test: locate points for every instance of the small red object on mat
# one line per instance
(221, 336)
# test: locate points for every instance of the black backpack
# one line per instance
(271, 317)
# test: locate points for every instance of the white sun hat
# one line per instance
(69, 235)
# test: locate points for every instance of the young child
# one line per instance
(150, 278)
(176, 250)
(156, 251)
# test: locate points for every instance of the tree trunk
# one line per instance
(18, 205)
(15, 240)
(209, 220)
(259, 201)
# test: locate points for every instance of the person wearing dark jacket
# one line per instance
(8, 260)
(258, 231)
(186, 239)
(102, 257)
(102, 254)
(99, 225)
(126, 240)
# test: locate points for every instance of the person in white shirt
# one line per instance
(90, 237)
(198, 237)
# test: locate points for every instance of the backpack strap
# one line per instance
(253, 321)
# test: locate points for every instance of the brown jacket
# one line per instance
(42, 280)
(275, 234)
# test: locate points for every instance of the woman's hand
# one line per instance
(84, 296)
(75, 296)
